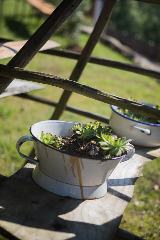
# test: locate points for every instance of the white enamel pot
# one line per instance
(65, 174)
(143, 134)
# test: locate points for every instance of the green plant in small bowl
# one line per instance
(90, 140)
(138, 116)
(144, 131)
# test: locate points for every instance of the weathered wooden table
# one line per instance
(29, 212)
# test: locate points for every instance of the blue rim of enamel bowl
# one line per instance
(150, 124)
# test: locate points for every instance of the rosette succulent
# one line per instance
(90, 140)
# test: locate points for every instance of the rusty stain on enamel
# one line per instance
(73, 162)
(63, 157)
(65, 170)
(80, 177)
(82, 163)
(77, 162)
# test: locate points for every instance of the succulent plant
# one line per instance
(114, 146)
(91, 139)
(138, 116)
(91, 130)
(51, 139)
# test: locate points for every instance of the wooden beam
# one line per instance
(81, 89)
(72, 109)
(86, 53)
(100, 61)
(106, 62)
(40, 37)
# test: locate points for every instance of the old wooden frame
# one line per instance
(81, 89)
(83, 59)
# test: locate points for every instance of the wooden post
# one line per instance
(40, 37)
(86, 53)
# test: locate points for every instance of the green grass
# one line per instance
(142, 214)
(17, 115)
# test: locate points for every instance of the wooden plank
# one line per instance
(40, 37)
(43, 6)
(146, 71)
(19, 86)
(29, 212)
(10, 49)
(80, 89)
(107, 62)
(86, 53)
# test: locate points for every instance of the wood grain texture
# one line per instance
(10, 49)
(80, 89)
(29, 212)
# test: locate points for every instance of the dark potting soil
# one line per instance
(86, 148)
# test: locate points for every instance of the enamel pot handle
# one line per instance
(143, 130)
(129, 154)
(19, 144)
